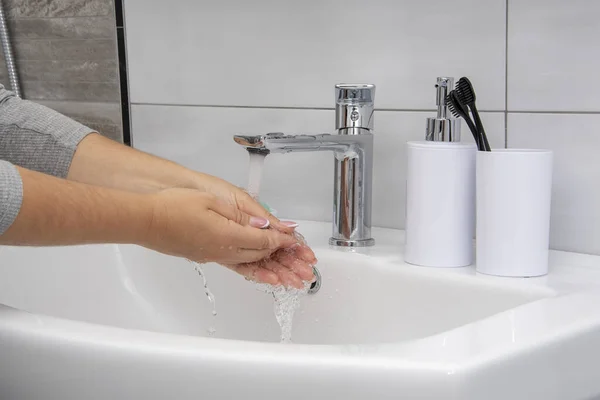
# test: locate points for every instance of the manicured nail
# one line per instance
(259, 222)
(290, 224)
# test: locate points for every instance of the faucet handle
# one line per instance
(354, 106)
(354, 93)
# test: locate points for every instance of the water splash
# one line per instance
(287, 301)
(211, 297)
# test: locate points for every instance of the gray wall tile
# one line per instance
(25, 49)
(58, 8)
(83, 91)
(66, 54)
(64, 28)
(80, 8)
(26, 8)
(76, 71)
(84, 49)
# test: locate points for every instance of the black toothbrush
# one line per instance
(466, 96)
(459, 111)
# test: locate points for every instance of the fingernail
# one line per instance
(259, 222)
(293, 245)
(290, 224)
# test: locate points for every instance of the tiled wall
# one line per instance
(202, 71)
(66, 55)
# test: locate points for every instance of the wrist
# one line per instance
(143, 229)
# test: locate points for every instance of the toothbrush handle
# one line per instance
(481, 132)
(474, 131)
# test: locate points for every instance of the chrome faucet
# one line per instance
(352, 146)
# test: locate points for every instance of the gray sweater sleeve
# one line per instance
(34, 137)
(11, 194)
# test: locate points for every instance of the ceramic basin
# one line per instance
(122, 322)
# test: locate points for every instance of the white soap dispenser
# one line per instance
(440, 192)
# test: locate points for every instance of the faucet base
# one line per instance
(352, 243)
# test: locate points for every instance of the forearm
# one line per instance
(103, 162)
(58, 212)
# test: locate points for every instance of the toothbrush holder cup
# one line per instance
(513, 199)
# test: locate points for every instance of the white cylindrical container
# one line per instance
(440, 204)
(513, 212)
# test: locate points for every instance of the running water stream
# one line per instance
(286, 299)
(255, 169)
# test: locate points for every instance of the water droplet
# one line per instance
(211, 331)
(337, 290)
(316, 319)
(230, 247)
(330, 297)
(222, 247)
(207, 292)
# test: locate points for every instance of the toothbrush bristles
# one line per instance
(465, 91)
(450, 104)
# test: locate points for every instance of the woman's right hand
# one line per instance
(200, 227)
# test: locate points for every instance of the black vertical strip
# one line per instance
(124, 81)
(119, 12)
(124, 87)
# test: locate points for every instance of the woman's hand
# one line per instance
(289, 267)
(203, 228)
(198, 226)
(239, 198)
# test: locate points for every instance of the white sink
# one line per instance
(123, 322)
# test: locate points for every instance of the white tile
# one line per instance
(554, 55)
(298, 185)
(284, 53)
(575, 140)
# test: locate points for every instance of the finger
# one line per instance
(305, 253)
(252, 207)
(232, 234)
(238, 216)
(255, 273)
(301, 268)
(286, 277)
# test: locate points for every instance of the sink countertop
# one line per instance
(568, 272)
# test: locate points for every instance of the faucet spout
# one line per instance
(342, 145)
